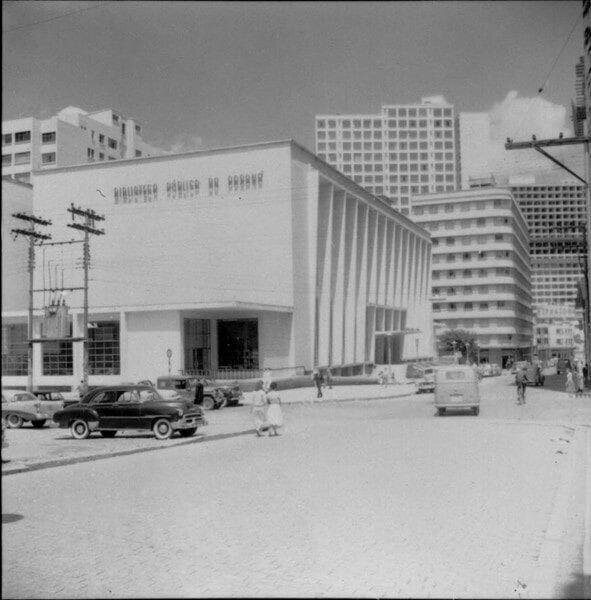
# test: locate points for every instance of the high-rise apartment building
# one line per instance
(481, 275)
(72, 136)
(556, 216)
(404, 150)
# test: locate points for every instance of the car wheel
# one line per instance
(162, 429)
(108, 434)
(188, 432)
(208, 403)
(38, 424)
(14, 421)
(476, 410)
(441, 411)
(79, 429)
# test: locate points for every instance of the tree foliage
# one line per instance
(458, 340)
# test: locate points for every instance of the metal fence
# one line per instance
(224, 373)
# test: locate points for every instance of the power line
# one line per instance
(66, 14)
(541, 89)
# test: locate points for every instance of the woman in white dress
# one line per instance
(274, 413)
(259, 407)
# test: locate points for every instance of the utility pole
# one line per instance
(561, 141)
(88, 227)
(33, 235)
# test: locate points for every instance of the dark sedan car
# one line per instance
(139, 407)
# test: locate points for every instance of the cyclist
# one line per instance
(521, 382)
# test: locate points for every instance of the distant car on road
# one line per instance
(20, 407)
(533, 373)
(495, 369)
(427, 382)
(562, 365)
(137, 407)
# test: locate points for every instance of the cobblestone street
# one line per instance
(374, 498)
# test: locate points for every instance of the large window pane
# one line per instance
(103, 348)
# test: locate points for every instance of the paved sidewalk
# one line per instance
(31, 449)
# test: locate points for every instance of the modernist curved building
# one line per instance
(481, 268)
(235, 260)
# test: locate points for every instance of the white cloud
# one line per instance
(186, 143)
(517, 118)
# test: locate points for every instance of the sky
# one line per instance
(210, 74)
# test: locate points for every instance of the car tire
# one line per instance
(476, 410)
(208, 403)
(188, 432)
(79, 429)
(106, 433)
(441, 411)
(38, 424)
(162, 429)
(14, 421)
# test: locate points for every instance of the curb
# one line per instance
(21, 467)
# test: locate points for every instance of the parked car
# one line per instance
(232, 393)
(20, 407)
(485, 370)
(456, 386)
(562, 365)
(171, 385)
(427, 382)
(496, 369)
(533, 374)
(129, 407)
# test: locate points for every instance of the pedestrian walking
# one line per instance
(259, 408)
(579, 380)
(274, 412)
(318, 380)
(521, 383)
(570, 383)
(328, 376)
(199, 392)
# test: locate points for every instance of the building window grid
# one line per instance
(103, 349)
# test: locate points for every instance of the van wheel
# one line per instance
(441, 411)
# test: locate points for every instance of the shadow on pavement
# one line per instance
(11, 518)
(579, 586)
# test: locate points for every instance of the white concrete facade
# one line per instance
(72, 136)
(404, 150)
(266, 234)
(481, 270)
